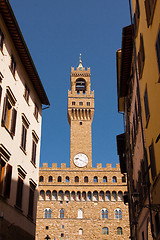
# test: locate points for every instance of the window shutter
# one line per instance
(146, 105)
(19, 192)
(34, 146)
(148, 12)
(31, 202)
(8, 181)
(4, 109)
(158, 50)
(152, 161)
(2, 167)
(0, 94)
(13, 123)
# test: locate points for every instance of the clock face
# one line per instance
(80, 160)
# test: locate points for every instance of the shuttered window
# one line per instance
(147, 114)
(9, 115)
(24, 137)
(34, 148)
(26, 93)
(149, 7)
(152, 161)
(31, 200)
(8, 181)
(158, 50)
(19, 193)
(2, 170)
(13, 65)
(141, 57)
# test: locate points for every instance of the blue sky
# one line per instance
(56, 32)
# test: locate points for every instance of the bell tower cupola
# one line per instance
(80, 116)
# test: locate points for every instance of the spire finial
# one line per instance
(80, 62)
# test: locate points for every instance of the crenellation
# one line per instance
(63, 165)
(45, 165)
(54, 165)
(99, 165)
(109, 166)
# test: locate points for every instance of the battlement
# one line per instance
(99, 167)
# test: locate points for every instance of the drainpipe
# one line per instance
(142, 131)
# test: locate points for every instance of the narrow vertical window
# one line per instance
(25, 126)
(13, 65)
(19, 192)
(61, 213)
(8, 181)
(31, 199)
(36, 111)
(141, 57)
(35, 139)
(26, 93)
(119, 231)
(80, 213)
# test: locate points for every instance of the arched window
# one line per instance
(80, 85)
(119, 231)
(108, 196)
(120, 196)
(95, 179)
(80, 213)
(85, 179)
(67, 179)
(101, 196)
(104, 213)
(60, 195)
(83, 196)
(50, 179)
(62, 213)
(78, 196)
(80, 231)
(59, 179)
(54, 195)
(105, 230)
(114, 196)
(95, 196)
(89, 196)
(104, 179)
(72, 196)
(76, 179)
(118, 213)
(67, 196)
(48, 195)
(41, 179)
(114, 179)
(47, 213)
(42, 195)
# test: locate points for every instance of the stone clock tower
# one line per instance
(81, 202)
(80, 116)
